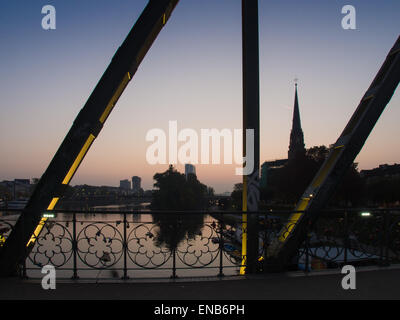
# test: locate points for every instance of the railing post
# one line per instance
(174, 276)
(23, 262)
(346, 235)
(125, 246)
(307, 245)
(24, 275)
(74, 246)
(387, 230)
(221, 247)
(382, 239)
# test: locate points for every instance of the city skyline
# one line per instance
(148, 144)
(192, 74)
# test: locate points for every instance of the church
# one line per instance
(297, 148)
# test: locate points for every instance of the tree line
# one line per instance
(285, 185)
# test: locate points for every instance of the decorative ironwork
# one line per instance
(194, 241)
(100, 245)
(5, 229)
(199, 251)
(143, 250)
(53, 246)
(345, 238)
(393, 240)
(231, 236)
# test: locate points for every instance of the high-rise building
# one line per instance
(189, 169)
(136, 181)
(125, 184)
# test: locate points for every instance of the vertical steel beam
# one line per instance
(83, 132)
(251, 120)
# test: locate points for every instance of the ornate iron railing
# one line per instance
(132, 244)
(345, 236)
(104, 244)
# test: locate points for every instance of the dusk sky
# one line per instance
(192, 74)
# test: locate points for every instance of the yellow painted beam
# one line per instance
(78, 159)
(115, 97)
(244, 227)
(41, 223)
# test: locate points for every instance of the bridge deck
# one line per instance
(372, 283)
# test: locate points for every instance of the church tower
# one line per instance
(296, 146)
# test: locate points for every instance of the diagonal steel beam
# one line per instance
(340, 158)
(83, 132)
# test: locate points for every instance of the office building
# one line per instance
(136, 181)
(189, 169)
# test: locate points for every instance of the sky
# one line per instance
(193, 75)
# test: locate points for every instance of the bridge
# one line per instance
(117, 255)
(125, 244)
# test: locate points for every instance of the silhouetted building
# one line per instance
(22, 186)
(297, 148)
(7, 184)
(267, 169)
(136, 181)
(22, 182)
(189, 169)
(384, 171)
(125, 184)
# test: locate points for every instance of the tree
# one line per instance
(383, 191)
(237, 196)
(176, 193)
(350, 190)
(318, 154)
(287, 184)
(210, 191)
(5, 193)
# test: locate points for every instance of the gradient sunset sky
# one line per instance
(192, 74)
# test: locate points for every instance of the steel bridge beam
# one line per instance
(251, 120)
(83, 132)
(341, 156)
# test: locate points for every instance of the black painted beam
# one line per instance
(84, 130)
(251, 120)
(339, 160)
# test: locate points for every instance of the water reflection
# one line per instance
(172, 229)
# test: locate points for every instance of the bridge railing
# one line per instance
(352, 236)
(134, 244)
(159, 244)
(340, 236)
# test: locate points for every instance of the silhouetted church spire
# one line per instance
(296, 146)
